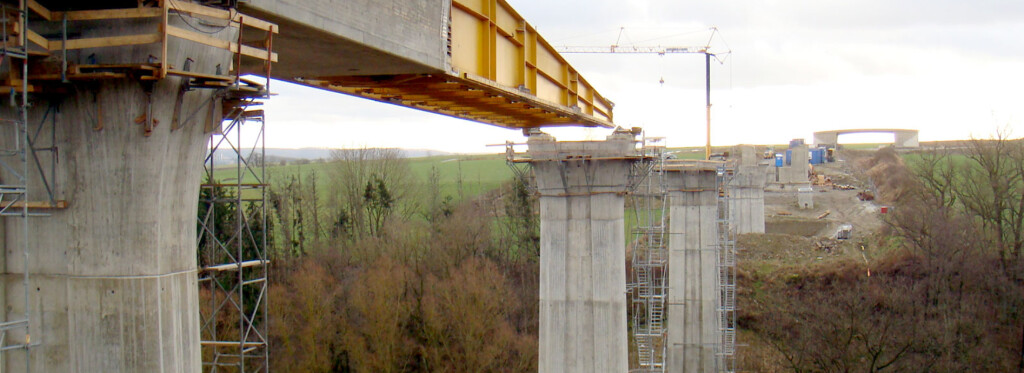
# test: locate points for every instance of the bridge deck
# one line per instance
(486, 64)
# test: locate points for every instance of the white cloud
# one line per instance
(947, 67)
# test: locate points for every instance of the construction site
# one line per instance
(616, 257)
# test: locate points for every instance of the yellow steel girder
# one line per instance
(502, 73)
(490, 41)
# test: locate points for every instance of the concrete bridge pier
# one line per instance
(746, 193)
(113, 276)
(693, 294)
(582, 258)
(796, 171)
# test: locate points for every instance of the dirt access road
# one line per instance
(794, 235)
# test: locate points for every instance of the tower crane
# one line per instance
(661, 51)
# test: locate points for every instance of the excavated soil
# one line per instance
(794, 235)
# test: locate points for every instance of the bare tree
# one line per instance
(936, 172)
(991, 186)
(354, 170)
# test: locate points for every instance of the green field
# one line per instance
(472, 174)
(477, 173)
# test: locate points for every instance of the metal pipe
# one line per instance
(24, 209)
(707, 94)
(64, 49)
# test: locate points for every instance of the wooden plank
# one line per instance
(92, 15)
(198, 38)
(257, 53)
(218, 43)
(40, 9)
(80, 76)
(191, 74)
(40, 205)
(112, 41)
(139, 66)
(38, 39)
(6, 89)
(223, 14)
(164, 6)
(197, 9)
(256, 23)
(234, 266)
(230, 344)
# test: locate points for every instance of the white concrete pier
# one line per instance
(746, 192)
(693, 295)
(113, 276)
(582, 258)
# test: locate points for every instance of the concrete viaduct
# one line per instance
(100, 268)
(904, 138)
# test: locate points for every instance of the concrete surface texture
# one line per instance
(693, 295)
(582, 258)
(805, 198)
(114, 283)
(796, 171)
(746, 192)
(746, 199)
(361, 37)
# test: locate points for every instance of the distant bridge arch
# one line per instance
(904, 138)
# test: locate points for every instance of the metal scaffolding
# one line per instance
(232, 246)
(23, 175)
(726, 351)
(648, 287)
(233, 265)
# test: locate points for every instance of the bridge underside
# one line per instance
(474, 60)
(903, 138)
(465, 98)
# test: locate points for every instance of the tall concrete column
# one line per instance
(746, 193)
(113, 276)
(797, 169)
(693, 294)
(582, 252)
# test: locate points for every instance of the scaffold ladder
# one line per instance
(15, 330)
(649, 262)
(726, 263)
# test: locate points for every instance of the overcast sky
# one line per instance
(950, 68)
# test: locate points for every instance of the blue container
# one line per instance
(789, 157)
(817, 155)
(778, 160)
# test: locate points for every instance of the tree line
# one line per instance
(947, 296)
(381, 272)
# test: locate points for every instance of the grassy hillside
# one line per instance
(472, 174)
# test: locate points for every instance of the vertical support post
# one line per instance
(693, 295)
(270, 53)
(164, 7)
(239, 224)
(238, 56)
(707, 95)
(583, 326)
(64, 48)
(24, 208)
(264, 264)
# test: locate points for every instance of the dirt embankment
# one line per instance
(802, 236)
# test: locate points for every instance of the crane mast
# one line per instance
(661, 51)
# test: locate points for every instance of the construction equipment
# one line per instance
(844, 232)
(661, 51)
